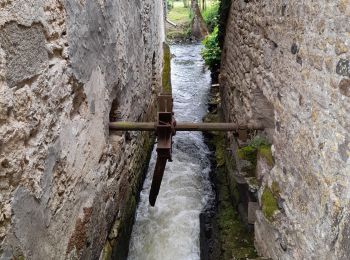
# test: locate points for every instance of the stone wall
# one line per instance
(287, 64)
(64, 179)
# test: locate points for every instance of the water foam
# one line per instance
(170, 230)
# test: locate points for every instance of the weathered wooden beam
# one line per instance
(183, 126)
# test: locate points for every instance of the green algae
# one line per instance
(265, 152)
(269, 203)
(107, 251)
(248, 153)
(256, 146)
(236, 242)
(166, 74)
(219, 149)
(231, 167)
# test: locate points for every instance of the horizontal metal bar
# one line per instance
(132, 126)
(182, 126)
(213, 127)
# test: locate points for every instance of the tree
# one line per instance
(199, 28)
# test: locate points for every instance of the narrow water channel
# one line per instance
(170, 230)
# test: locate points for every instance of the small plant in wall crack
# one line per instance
(258, 145)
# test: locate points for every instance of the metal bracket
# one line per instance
(165, 130)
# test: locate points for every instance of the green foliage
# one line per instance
(258, 141)
(181, 16)
(269, 203)
(250, 151)
(170, 4)
(211, 16)
(212, 52)
(257, 145)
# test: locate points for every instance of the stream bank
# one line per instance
(224, 235)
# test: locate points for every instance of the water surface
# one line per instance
(170, 230)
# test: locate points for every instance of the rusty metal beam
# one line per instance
(215, 127)
(183, 126)
(131, 126)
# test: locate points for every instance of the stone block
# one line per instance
(300, 60)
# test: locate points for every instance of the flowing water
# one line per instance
(170, 230)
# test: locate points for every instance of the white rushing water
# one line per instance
(170, 230)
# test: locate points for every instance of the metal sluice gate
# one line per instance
(165, 128)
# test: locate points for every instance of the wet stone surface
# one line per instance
(343, 67)
(344, 87)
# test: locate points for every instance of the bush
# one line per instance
(170, 4)
(211, 16)
(211, 52)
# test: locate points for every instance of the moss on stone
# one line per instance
(107, 251)
(251, 150)
(253, 182)
(233, 187)
(219, 142)
(275, 189)
(166, 75)
(235, 240)
(269, 203)
(248, 153)
(265, 152)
